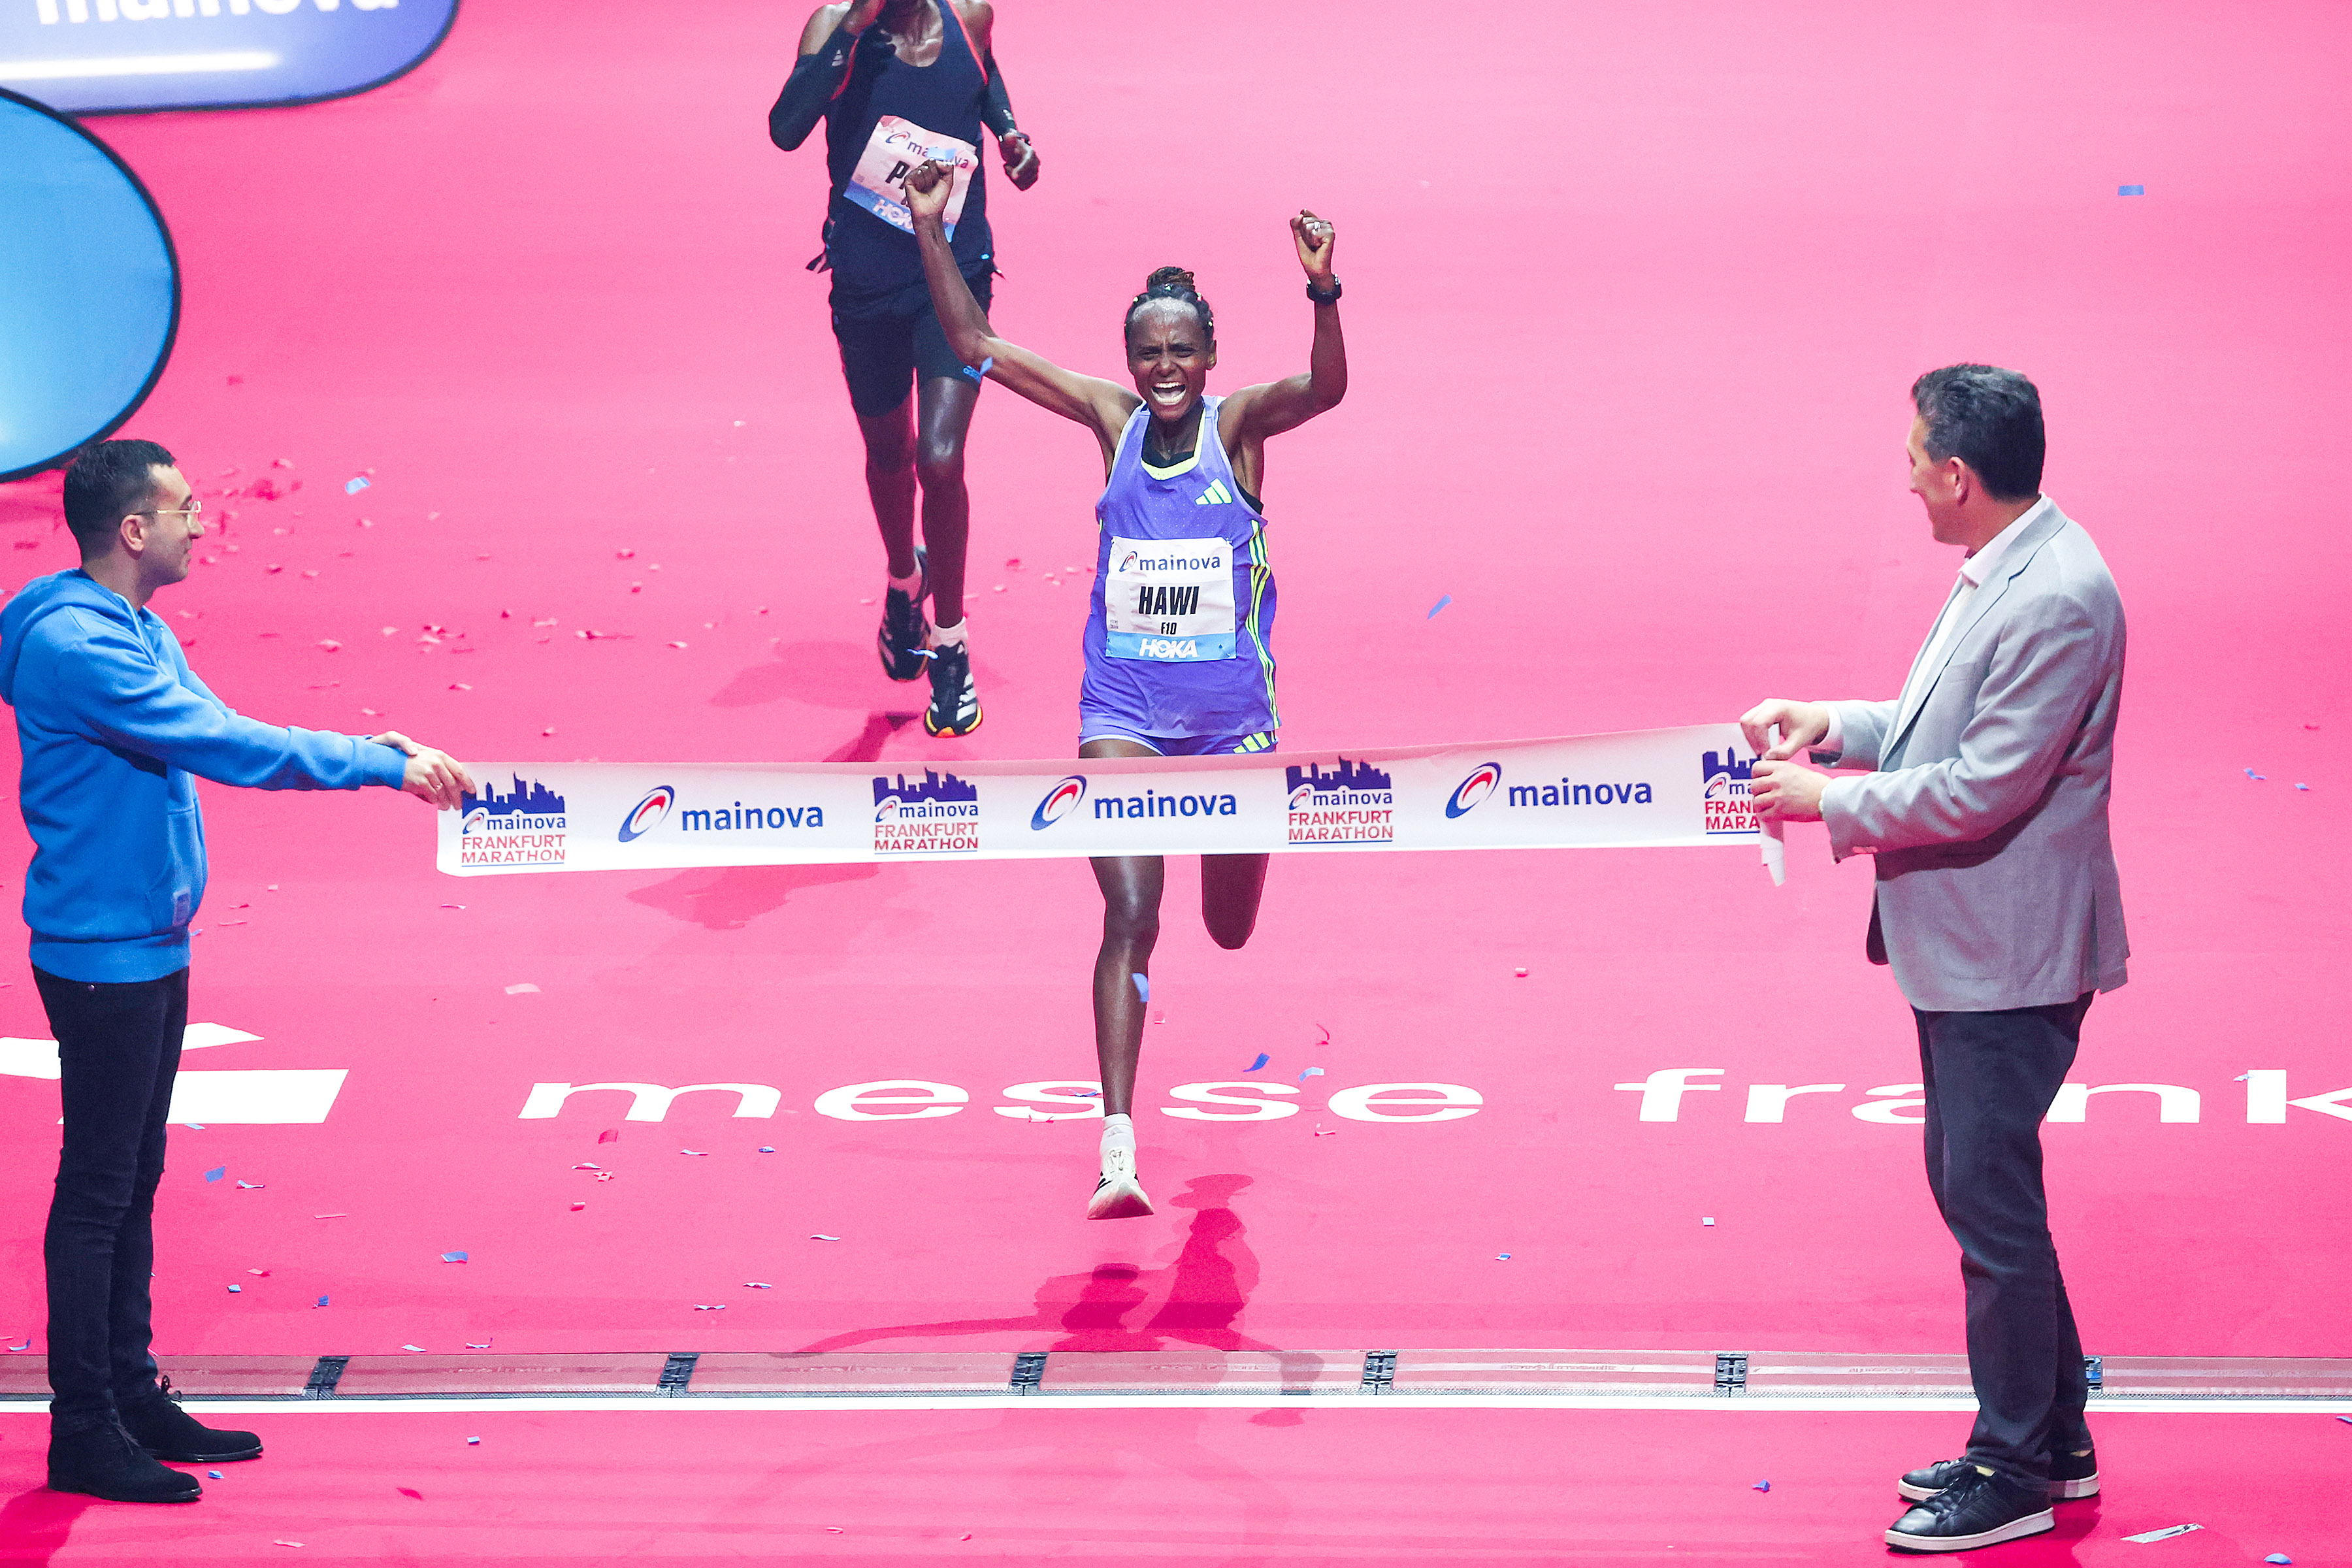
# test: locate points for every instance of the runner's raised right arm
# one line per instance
(1101, 406)
(823, 66)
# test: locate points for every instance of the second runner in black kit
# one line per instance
(898, 83)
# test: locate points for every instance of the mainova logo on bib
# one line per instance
(95, 57)
(524, 826)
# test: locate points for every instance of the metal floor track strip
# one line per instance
(1812, 1375)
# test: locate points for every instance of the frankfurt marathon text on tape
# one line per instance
(1638, 789)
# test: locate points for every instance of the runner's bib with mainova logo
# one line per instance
(1169, 599)
(878, 183)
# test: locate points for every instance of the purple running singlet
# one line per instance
(1179, 636)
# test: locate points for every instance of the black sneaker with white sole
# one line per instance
(904, 630)
(955, 699)
(2071, 1476)
(1977, 1509)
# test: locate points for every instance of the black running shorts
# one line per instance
(886, 340)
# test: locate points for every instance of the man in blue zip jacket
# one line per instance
(113, 724)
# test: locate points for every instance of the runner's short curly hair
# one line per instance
(1172, 283)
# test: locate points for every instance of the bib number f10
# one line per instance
(1168, 600)
(879, 184)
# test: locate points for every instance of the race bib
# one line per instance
(879, 184)
(1168, 600)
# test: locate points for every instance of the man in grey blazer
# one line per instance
(1997, 905)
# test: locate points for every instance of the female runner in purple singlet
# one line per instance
(1179, 656)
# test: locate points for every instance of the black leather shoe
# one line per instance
(2072, 1475)
(105, 1461)
(1976, 1509)
(168, 1432)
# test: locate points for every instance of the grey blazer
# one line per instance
(1987, 804)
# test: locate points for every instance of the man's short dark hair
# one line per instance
(106, 483)
(1988, 418)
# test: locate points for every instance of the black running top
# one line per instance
(946, 97)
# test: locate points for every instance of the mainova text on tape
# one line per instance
(1634, 790)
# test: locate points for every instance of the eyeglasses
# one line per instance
(191, 510)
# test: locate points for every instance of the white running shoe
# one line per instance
(1118, 1195)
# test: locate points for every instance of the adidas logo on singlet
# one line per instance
(1216, 495)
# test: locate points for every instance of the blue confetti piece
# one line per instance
(814, 1236)
(2344, 1418)
(1310, 1072)
(323, 1300)
(979, 372)
(251, 1186)
(698, 1153)
(193, 1126)
(1443, 600)
(2131, 190)
(453, 1258)
(1761, 1487)
(237, 1290)
(217, 1172)
(1261, 1059)
(354, 485)
(418, 1349)
(923, 653)
(1502, 1258)
(2278, 1557)
(2255, 777)
(757, 1285)
(2303, 787)
(1143, 985)
(767, 1148)
(473, 1442)
(212, 1475)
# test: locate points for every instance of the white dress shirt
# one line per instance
(1976, 570)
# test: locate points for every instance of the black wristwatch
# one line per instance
(1330, 298)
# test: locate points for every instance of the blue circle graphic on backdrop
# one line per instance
(93, 293)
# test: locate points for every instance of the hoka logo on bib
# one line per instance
(525, 826)
(939, 816)
(1351, 803)
(1059, 802)
(1726, 797)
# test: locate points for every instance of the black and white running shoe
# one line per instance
(2071, 1476)
(955, 699)
(1977, 1509)
(905, 631)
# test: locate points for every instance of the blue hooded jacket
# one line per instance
(111, 723)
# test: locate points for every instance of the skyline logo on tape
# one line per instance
(939, 816)
(115, 55)
(1728, 807)
(1352, 803)
(526, 827)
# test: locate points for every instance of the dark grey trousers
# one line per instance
(118, 1047)
(1989, 1079)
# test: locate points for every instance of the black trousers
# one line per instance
(118, 1049)
(1989, 1079)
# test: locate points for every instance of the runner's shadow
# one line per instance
(34, 1524)
(1207, 1287)
(729, 899)
(822, 674)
